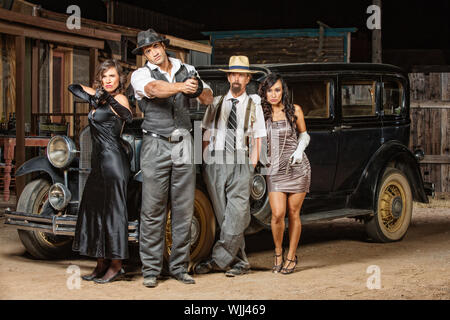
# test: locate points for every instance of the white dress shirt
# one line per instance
(257, 131)
(142, 76)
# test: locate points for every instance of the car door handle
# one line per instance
(336, 129)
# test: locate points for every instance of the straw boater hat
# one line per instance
(146, 38)
(239, 64)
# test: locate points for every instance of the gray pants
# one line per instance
(161, 177)
(229, 189)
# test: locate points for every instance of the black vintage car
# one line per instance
(358, 119)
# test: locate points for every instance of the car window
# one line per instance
(313, 96)
(392, 97)
(358, 98)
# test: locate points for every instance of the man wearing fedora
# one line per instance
(234, 125)
(163, 88)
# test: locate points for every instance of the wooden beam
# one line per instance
(430, 104)
(30, 32)
(20, 109)
(436, 159)
(43, 23)
(190, 45)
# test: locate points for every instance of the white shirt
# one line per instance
(257, 131)
(142, 76)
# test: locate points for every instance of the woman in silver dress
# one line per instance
(289, 173)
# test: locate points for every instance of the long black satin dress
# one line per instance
(102, 223)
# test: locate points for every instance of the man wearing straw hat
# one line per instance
(234, 126)
(163, 88)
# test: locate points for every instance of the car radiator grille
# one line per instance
(85, 159)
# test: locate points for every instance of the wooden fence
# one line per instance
(430, 126)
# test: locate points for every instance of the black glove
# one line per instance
(93, 100)
(101, 96)
(194, 75)
(78, 92)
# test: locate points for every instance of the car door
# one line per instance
(394, 112)
(315, 94)
(359, 128)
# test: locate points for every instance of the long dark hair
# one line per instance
(102, 68)
(289, 108)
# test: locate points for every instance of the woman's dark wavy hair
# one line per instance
(102, 68)
(289, 108)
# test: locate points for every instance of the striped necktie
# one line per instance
(230, 138)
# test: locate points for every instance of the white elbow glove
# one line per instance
(303, 141)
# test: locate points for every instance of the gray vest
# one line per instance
(164, 115)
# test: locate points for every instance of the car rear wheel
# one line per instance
(39, 244)
(203, 229)
(393, 210)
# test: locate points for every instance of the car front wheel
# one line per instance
(393, 210)
(40, 245)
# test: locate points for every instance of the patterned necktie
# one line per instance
(230, 138)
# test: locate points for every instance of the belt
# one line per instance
(169, 139)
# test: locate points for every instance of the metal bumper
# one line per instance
(57, 225)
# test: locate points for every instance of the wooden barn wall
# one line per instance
(280, 50)
(430, 125)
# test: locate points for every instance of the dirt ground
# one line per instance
(335, 262)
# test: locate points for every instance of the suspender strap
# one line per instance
(219, 108)
(247, 113)
(250, 111)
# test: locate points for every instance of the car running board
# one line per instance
(334, 214)
(58, 225)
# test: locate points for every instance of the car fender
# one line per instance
(392, 152)
(39, 164)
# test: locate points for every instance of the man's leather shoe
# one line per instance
(184, 277)
(115, 277)
(150, 282)
(236, 271)
(206, 267)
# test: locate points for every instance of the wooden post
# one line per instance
(3, 113)
(35, 60)
(376, 39)
(20, 109)
(93, 61)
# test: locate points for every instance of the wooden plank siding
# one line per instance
(280, 50)
(430, 125)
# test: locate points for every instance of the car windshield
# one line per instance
(219, 87)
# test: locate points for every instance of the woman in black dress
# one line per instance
(289, 176)
(102, 224)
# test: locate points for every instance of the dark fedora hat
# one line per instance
(146, 38)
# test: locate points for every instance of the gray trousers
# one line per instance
(229, 189)
(161, 177)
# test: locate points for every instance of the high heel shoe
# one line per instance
(115, 277)
(277, 267)
(286, 270)
(92, 276)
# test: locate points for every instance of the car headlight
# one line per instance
(419, 154)
(59, 196)
(60, 151)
